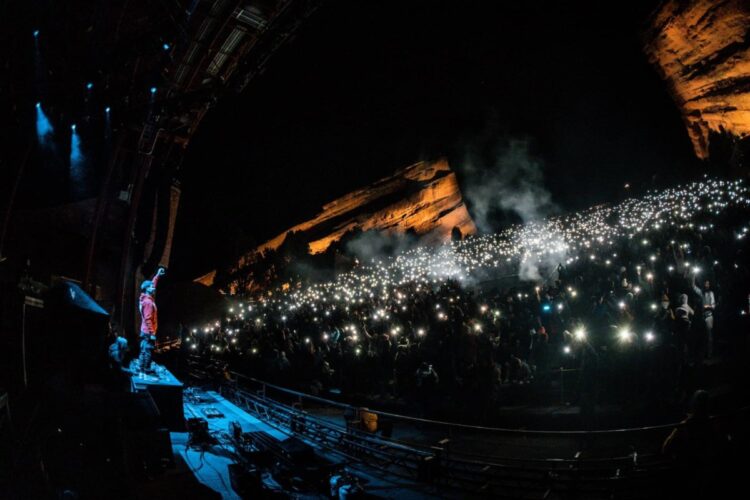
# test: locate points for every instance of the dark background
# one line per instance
(369, 87)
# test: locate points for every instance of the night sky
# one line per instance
(369, 87)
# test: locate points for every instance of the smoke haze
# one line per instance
(512, 182)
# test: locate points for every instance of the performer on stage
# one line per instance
(149, 320)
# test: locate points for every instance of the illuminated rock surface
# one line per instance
(702, 49)
(424, 198)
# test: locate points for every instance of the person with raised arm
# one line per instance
(149, 319)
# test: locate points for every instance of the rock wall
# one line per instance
(424, 198)
(702, 49)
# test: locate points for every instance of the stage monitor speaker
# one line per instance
(66, 334)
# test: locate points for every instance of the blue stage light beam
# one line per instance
(108, 124)
(43, 126)
(76, 156)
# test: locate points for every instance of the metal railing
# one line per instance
(636, 475)
(454, 425)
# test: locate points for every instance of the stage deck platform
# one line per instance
(203, 473)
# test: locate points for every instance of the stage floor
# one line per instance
(203, 473)
(210, 466)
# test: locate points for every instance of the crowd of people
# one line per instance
(626, 299)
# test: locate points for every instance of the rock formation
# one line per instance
(423, 198)
(702, 49)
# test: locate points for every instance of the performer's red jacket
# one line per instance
(148, 311)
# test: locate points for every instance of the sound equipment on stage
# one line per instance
(66, 332)
(198, 430)
(211, 412)
(249, 448)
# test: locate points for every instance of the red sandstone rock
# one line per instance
(424, 197)
(702, 49)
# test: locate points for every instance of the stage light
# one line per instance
(43, 125)
(165, 46)
(89, 86)
(546, 308)
(153, 90)
(107, 109)
(649, 336)
(566, 349)
(36, 33)
(76, 155)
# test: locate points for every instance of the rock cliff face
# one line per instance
(424, 198)
(702, 49)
